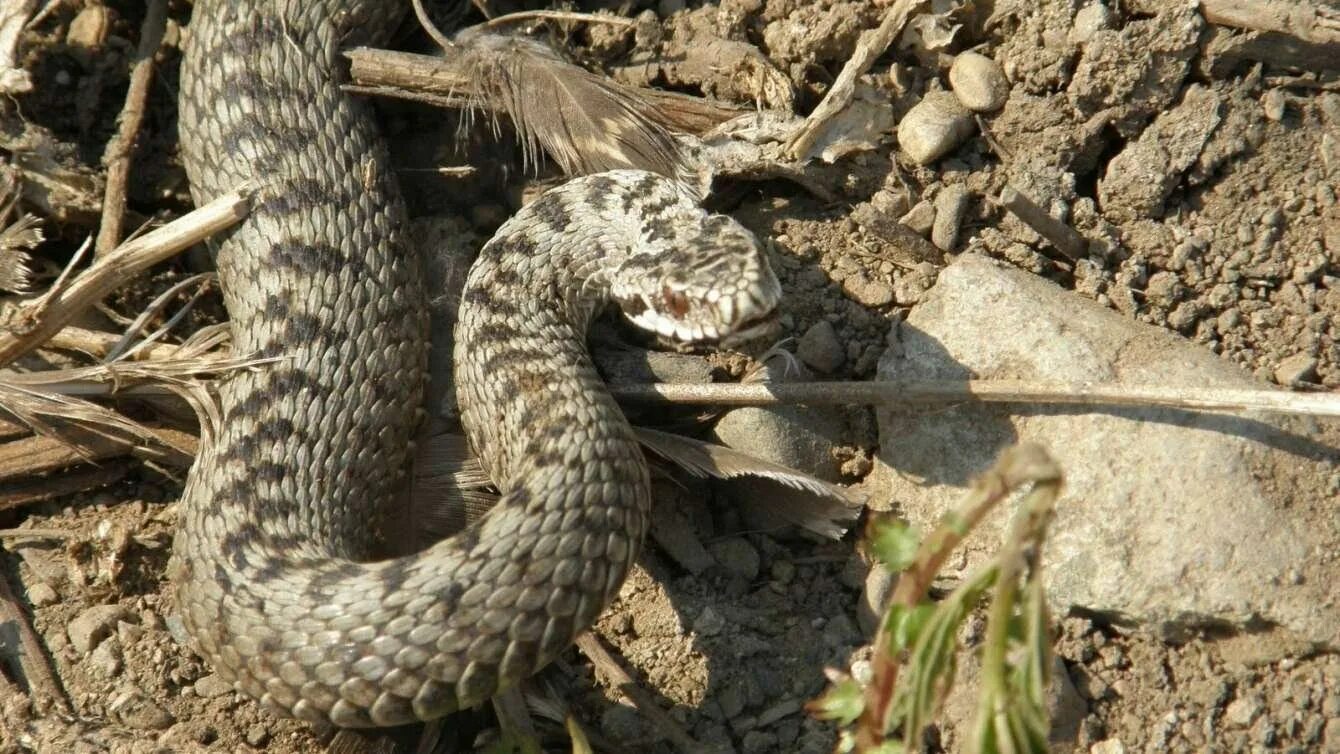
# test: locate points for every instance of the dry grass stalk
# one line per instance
(116, 157)
(43, 318)
(929, 392)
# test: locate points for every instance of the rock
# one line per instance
(1140, 177)
(1089, 20)
(673, 530)
(978, 82)
(1242, 712)
(934, 127)
(1331, 736)
(867, 292)
(921, 218)
(874, 591)
(622, 723)
(1296, 370)
(1157, 502)
(1108, 746)
(93, 625)
(90, 27)
(709, 622)
(793, 436)
(257, 735)
(758, 742)
(136, 710)
(211, 686)
(105, 660)
(737, 557)
(950, 205)
(840, 631)
(42, 594)
(819, 348)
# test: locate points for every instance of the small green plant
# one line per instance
(916, 646)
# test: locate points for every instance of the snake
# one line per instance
(273, 564)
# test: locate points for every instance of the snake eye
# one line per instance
(675, 301)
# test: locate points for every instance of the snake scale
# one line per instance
(278, 516)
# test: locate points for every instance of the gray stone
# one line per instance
(1108, 746)
(1296, 370)
(93, 625)
(934, 127)
(797, 437)
(820, 349)
(42, 594)
(136, 710)
(622, 723)
(212, 685)
(709, 622)
(921, 217)
(1140, 177)
(1089, 20)
(258, 735)
(105, 660)
(978, 82)
(1242, 712)
(1158, 503)
(758, 742)
(737, 557)
(950, 205)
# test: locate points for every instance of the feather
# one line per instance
(15, 262)
(585, 122)
(823, 508)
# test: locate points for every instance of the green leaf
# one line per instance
(843, 701)
(905, 625)
(893, 542)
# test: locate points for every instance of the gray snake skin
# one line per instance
(279, 513)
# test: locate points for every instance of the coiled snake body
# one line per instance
(278, 511)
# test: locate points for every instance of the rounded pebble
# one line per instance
(979, 82)
(819, 347)
(934, 127)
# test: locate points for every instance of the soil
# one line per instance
(1206, 189)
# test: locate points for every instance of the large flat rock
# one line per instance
(1170, 518)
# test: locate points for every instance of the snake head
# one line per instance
(708, 285)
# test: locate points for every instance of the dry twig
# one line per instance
(617, 677)
(35, 323)
(868, 49)
(1066, 239)
(117, 155)
(931, 392)
(1311, 22)
(42, 684)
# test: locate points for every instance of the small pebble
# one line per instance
(1109, 746)
(867, 292)
(212, 685)
(105, 660)
(42, 594)
(783, 571)
(921, 218)
(1089, 20)
(978, 82)
(93, 625)
(257, 735)
(737, 557)
(90, 27)
(136, 710)
(1273, 104)
(934, 127)
(819, 347)
(622, 723)
(950, 205)
(709, 622)
(1241, 712)
(1296, 369)
(758, 742)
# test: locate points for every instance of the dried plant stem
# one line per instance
(560, 15)
(1066, 239)
(1310, 22)
(868, 49)
(118, 152)
(45, 690)
(615, 675)
(444, 82)
(928, 392)
(35, 323)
